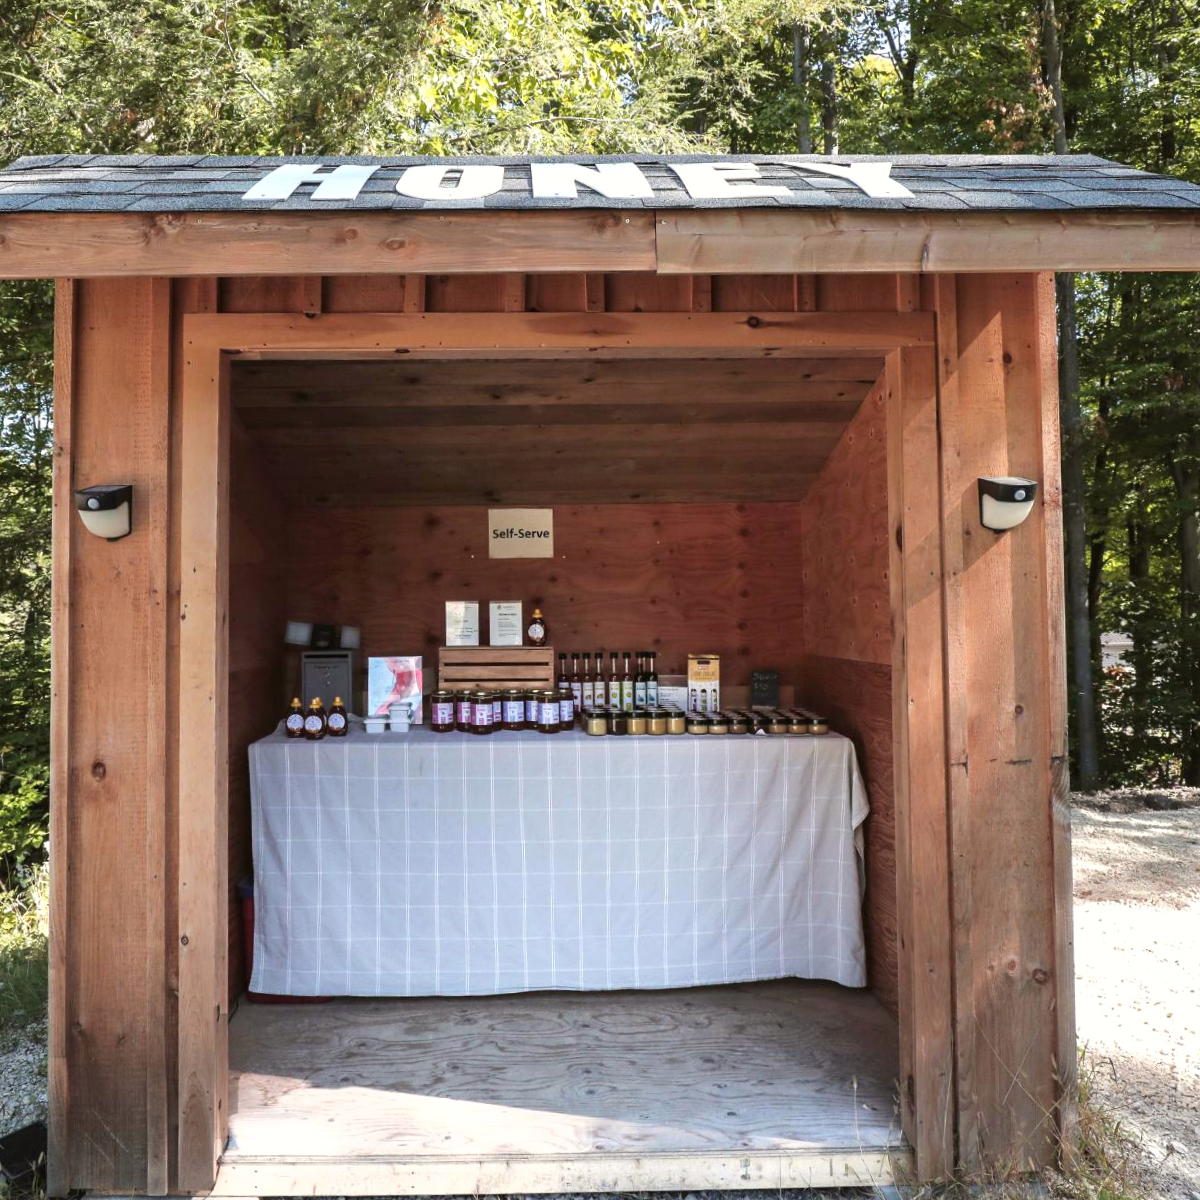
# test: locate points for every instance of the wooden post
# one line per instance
(918, 730)
(108, 790)
(203, 767)
(1014, 1025)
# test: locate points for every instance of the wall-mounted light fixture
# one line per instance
(107, 510)
(1005, 501)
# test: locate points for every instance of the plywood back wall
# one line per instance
(848, 638)
(675, 578)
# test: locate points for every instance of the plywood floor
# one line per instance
(768, 1085)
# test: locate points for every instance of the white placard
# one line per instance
(520, 533)
(462, 622)
(504, 623)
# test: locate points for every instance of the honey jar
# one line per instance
(676, 722)
(739, 723)
(462, 712)
(697, 723)
(718, 723)
(637, 721)
(532, 700)
(595, 722)
(618, 721)
(656, 721)
(442, 712)
(483, 712)
(514, 711)
(566, 708)
(777, 723)
(549, 717)
(818, 725)
(798, 725)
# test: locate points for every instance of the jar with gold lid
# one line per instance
(656, 721)
(638, 723)
(595, 722)
(549, 716)
(441, 712)
(676, 722)
(483, 712)
(513, 717)
(618, 721)
(566, 708)
(697, 723)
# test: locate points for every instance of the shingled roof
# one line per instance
(921, 183)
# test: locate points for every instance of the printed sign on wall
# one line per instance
(520, 533)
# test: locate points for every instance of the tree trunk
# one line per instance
(1074, 509)
(1187, 486)
(829, 112)
(800, 45)
(1075, 536)
(1140, 657)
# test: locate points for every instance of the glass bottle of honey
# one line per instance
(627, 686)
(294, 724)
(336, 721)
(537, 628)
(314, 721)
(589, 686)
(576, 683)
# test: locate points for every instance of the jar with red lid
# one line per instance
(462, 712)
(482, 712)
(441, 712)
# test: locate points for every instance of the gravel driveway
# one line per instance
(1137, 957)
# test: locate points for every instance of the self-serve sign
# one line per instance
(520, 533)
(446, 182)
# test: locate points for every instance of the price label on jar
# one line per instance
(520, 533)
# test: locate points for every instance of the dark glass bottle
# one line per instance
(651, 680)
(627, 686)
(614, 683)
(564, 678)
(336, 722)
(576, 683)
(639, 681)
(537, 629)
(589, 684)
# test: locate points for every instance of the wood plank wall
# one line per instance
(257, 613)
(847, 669)
(674, 578)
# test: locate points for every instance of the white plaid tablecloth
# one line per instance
(423, 864)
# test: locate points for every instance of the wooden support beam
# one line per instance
(529, 335)
(723, 241)
(292, 243)
(203, 766)
(918, 727)
(108, 1094)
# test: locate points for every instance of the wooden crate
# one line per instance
(466, 668)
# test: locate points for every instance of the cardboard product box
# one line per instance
(462, 622)
(394, 680)
(704, 682)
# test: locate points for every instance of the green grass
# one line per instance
(24, 961)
